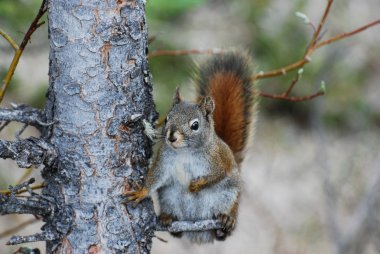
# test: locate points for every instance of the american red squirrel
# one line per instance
(196, 171)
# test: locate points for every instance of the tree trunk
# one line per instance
(99, 94)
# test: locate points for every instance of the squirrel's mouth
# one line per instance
(176, 145)
(175, 139)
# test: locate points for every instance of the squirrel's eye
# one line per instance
(194, 125)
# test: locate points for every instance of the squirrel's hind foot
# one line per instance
(166, 220)
(228, 224)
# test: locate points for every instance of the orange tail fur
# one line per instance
(227, 79)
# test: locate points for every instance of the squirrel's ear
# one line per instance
(177, 96)
(207, 104)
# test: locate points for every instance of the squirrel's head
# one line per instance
(189, 124)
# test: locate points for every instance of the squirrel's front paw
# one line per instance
(138, 195)
(197, 184)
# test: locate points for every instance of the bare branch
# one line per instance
(24, 114)
(3, 125)
(285, 95)
(60, 217)
(44, 236)
(16, 189)
(293, 99)
(28, 152)
(35, 187)
(181, 226)
(348, 34)
(9, 39)
(33, 204)
(313, 46)
(319, 28)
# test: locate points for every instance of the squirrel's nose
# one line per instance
(172, 138)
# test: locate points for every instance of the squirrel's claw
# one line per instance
(227, 221)
(138, 195)
(228, 224)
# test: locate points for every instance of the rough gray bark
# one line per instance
(28, 152)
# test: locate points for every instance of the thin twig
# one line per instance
(44, 236)
(3, 125)
(11, 231)
(293, 99)
(35, 187)
(306, 58)
(21, 131)
(24, 114)
(319, 28)
(294, 82)
(285, 95)
(281, 71)
(9, 39)
(161, 239)
(313, 46)
(33, 26)
(348, 34)
(312, 27)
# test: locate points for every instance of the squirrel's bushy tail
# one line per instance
(227, 78)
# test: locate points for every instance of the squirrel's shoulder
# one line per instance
(222, 156)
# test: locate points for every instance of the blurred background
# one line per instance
(312, 174)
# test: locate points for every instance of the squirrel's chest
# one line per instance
(185, 167)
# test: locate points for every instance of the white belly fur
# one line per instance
(175, 199)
